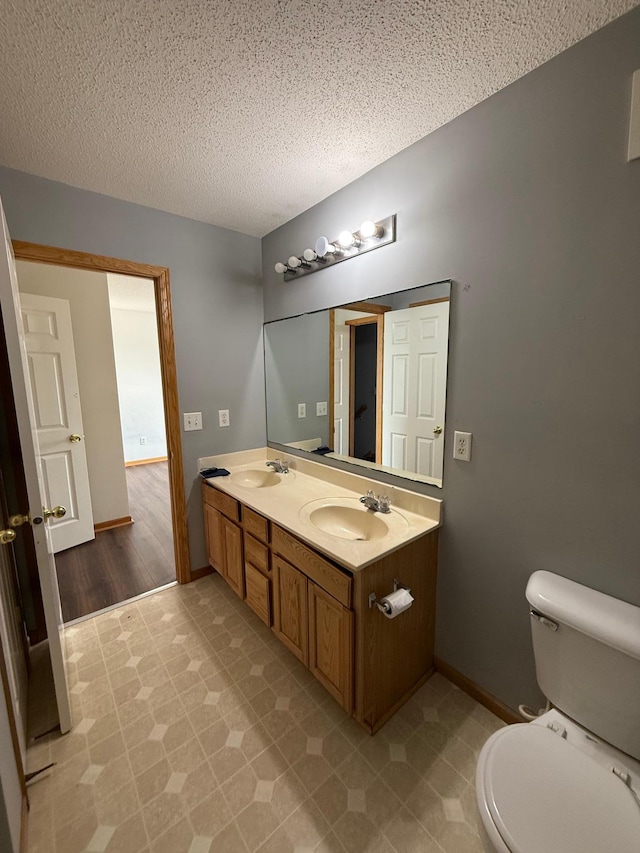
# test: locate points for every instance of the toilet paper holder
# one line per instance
(373, 601)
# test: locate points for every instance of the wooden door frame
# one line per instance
(55, 256)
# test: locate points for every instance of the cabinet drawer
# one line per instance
(227, 505)
(258, 593)
(255, 524)
(336, 583)
(256, 553)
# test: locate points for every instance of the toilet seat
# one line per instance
(540, 794)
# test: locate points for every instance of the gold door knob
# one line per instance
(437, 430)
(74, 437)
(17, 520)
(56, 512)
(7, 536)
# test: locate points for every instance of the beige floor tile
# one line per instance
(74, 837)
(211, 815)
(161, 814)
(256, 823)
(306, 826)
(177, 839)
(332, 798)
(130, 836)
(228, 840)
(239, 791)
(196, 731)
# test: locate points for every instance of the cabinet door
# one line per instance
(214, 537)
(331, 645)
(234, 570)
(258, 593)
(290, 617)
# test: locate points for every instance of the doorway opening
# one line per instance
(136, 536)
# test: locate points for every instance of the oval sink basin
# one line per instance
(256, 478)
(347, 518)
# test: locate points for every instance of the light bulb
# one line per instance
(346, 239)
(294, 262)
(280, 268)
(310, 255)
(324, 247)
(370, 229)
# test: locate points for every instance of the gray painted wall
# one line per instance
(297, 371)
(528, 203)
(216, 297)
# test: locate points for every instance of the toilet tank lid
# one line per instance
(608, 620)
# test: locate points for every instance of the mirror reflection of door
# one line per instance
(415, 367)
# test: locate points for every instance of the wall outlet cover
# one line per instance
(302, 410)
(223, 418)
(143, 439)
(462, 446)
(321, 409)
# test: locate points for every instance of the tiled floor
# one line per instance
(196, 731)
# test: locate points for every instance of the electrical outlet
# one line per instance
(302, 410)
(223, 418)
(321, 409)
(192, 420)
(143, 439)
(462, 446)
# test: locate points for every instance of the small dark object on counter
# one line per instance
(322, 450)
(205, 473)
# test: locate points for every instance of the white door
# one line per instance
(342, 339)
(12, 324)
(414, 394)
(51, 356)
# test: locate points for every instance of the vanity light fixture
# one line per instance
(324, 248)
(370, 229)
(347, 239)
(295, 262)
(349, 244)
(311, 255)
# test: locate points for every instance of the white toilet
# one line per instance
(569, 782)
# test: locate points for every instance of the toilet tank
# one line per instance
(587, 653)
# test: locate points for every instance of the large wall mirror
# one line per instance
(364, 383)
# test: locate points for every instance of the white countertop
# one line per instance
(412, 515)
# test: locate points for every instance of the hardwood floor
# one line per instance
(126, 561)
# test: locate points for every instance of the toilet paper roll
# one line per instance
(395, 603)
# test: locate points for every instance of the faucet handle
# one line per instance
(384, 502)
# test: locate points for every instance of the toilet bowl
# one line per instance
(551, 787)
(556, 785)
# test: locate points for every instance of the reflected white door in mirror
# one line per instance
(382, 366)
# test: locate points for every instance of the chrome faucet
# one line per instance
(377, 504)
(278, 466)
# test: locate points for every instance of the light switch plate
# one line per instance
(321, 409)
(302, 410)
(192, 420)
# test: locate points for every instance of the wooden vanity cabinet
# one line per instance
(290, 608)
(312, 614)
(224, 537)
(321, 612)
(331, 644)
(257, 564)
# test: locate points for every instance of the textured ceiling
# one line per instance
(244, 114)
